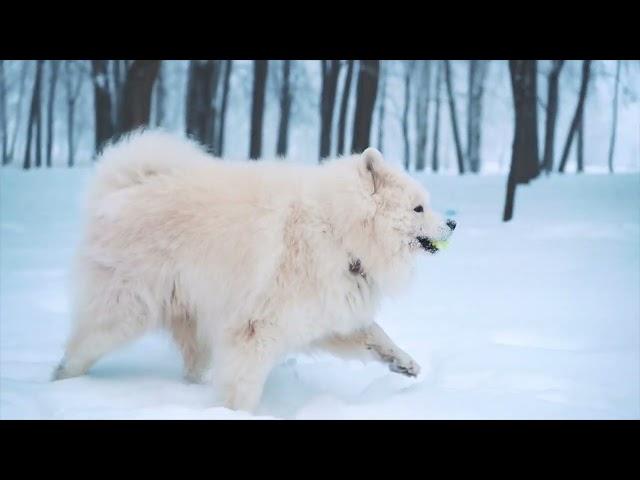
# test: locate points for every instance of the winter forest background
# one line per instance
(533, 311)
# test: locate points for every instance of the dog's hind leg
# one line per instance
(371, 343)
(104, 324)
(195, 351)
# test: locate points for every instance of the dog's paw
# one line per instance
(404, 365)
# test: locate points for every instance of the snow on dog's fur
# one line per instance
(243, 262)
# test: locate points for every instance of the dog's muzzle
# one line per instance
(429, 245)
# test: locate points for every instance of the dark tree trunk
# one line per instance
(285, 110)
(160, 94)
(586, 70)
(423, 99)
(330, 73)
(454, 116)
(614, 121)
(366, 92)
(381, 106)
(202, 77)
(435, 161)
(552, 115)
(18, 122)
(53, 80)
(524, 157)
(223, 108)
(70, 133)
(409, 65)
(3, 115)
(260, 71)
(34, 118)
(102, 100)
(477, 75)
(580, 146)
(136, 95)
(344, 106)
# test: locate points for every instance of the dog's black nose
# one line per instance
(451, 224)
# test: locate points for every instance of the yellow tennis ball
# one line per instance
(441, 244)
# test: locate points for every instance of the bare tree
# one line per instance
(423, 99)
(552, 114)
(18, 121)
(54, 67)
(580, 146)
(34, 119)
(160, 94)
(408, 74)
(260, 71)
(202, 85)
(454, 116)
(366, 92)
(477, 75)
(344, 105)
(223, 108)
(614, 121)
(3, 114)
(136, 96)
(73, 84)
(435, 161)
(285, 110)
(575, 123)
(524, 156)
(381, 104)
(104, 124)
(330, 73)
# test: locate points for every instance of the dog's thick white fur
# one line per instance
(244, 262)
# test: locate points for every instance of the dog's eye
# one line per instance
(418, 209)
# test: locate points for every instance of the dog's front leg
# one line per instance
(371, 343)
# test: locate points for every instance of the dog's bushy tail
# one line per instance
(142, 154)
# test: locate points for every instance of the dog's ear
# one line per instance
(372, 162)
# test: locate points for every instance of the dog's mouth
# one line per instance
(427, 244)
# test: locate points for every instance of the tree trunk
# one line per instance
(34, 115)
(435, 161)
(223, 108)
(3, 114)
(344, 106)
(552, 115)
(423, 99)
(21, 90)
(285, 110)
(580, 146)
(477, 74)
(409, 65)
(70, 132)
(381, 106)
(260, 71)
(524, 157)
(330, 73)
(104, 125)
(200, 99)
(160, 94)
(586, 70)
(454, 116)
(366, 92)
(53, 80)
(136, 95)
(614, 121)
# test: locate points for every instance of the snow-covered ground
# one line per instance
(538, 318)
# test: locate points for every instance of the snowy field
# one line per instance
(538, 318)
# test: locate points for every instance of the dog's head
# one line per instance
(403, 213)
(391, 220)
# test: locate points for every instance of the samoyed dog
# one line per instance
(244, 262)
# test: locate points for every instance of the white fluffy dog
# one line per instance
(244, 262)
